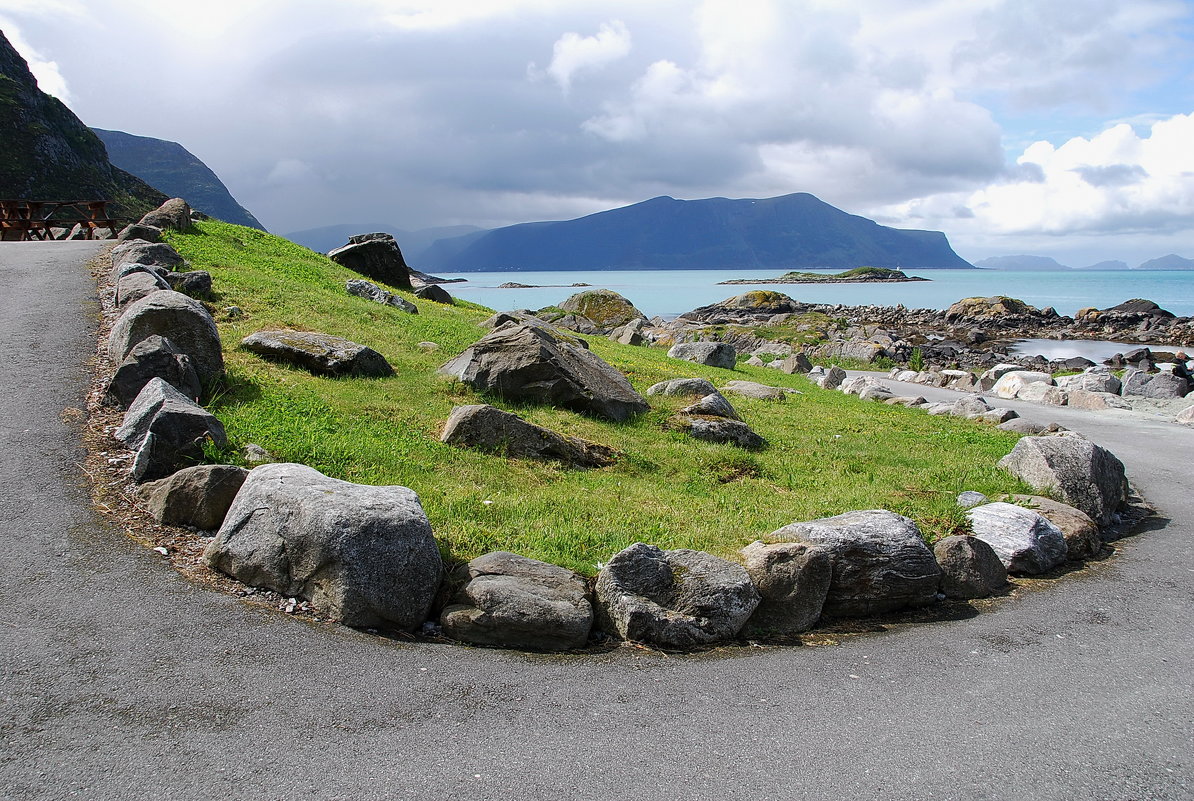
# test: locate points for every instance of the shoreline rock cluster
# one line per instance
(366, 555)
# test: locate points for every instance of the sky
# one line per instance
(1051, 127)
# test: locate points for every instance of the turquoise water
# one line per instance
(669, 293)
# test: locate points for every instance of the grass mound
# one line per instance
(828, 453)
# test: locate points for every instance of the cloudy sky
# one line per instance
(1058, 127)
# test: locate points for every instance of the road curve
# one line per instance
(119, 679)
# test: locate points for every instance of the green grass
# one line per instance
(829, 452)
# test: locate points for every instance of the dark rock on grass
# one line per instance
(511, 601)
(1083, 474)
(1082, 536)
(435, 294)
(196, 283)
(137, 284)
(493, 430)
(532, 364)
(719, 430)
(167, 430)
(796, 363)
(363, 555)
(711, 354)
(180, 318)
(1024, 541)
(374, 256)
(970, 568)
(173, 215)
(321, 354)
(880, 561)
(196, 496)
(153, 357)
(683, 387)
(792, 579)
(676, 599)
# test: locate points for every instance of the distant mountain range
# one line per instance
(1025, 262)
(47, 153)
(782, 233)
(412, 243)
(171, 168)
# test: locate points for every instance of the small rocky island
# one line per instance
(859, 275)
(516, 285)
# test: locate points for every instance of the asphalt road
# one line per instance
(119, 679)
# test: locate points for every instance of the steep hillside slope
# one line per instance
(171, 168)
(47, 153)
(790, 232)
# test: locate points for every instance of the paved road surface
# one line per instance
(119, 679)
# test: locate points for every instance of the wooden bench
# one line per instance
(25, 220)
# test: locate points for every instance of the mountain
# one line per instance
(782, 233)
(412, 243)
(1170, 262)
(1020, 263)
(171, 168)
(1107, 265)
(47, 153)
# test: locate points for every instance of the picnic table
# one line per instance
(25, 220)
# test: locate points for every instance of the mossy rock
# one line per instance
(606, 308)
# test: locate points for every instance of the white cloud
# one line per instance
(49, 78)
(573, 53)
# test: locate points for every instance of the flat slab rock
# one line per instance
(490, 429)
(361, 554)
(511, 601)
(880, 561)
(676, 599)
(529, 363)
(753, 389)
(321, 354)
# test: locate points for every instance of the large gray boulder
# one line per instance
(196, 283)
(683, 387)
(796, 363)
(880, 561)
(712, 405)
(489, 429)
(363, 555)
(136, 230)
(182, 320)
(970, 568)
(196, 496)
(435, 293)
(1166, 386)
(1082, 474)
(321, 354)
(1023, 540)
(167, 430)
(793, 580)
(151, 254)
(173, 215)
(153, 357)
(712, 354)
(511, 601)
(374, 256)
(531, 364)
(833, 378)
(676, 599)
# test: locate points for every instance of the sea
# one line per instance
(670, 293)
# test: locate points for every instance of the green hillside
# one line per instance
(829, 452)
